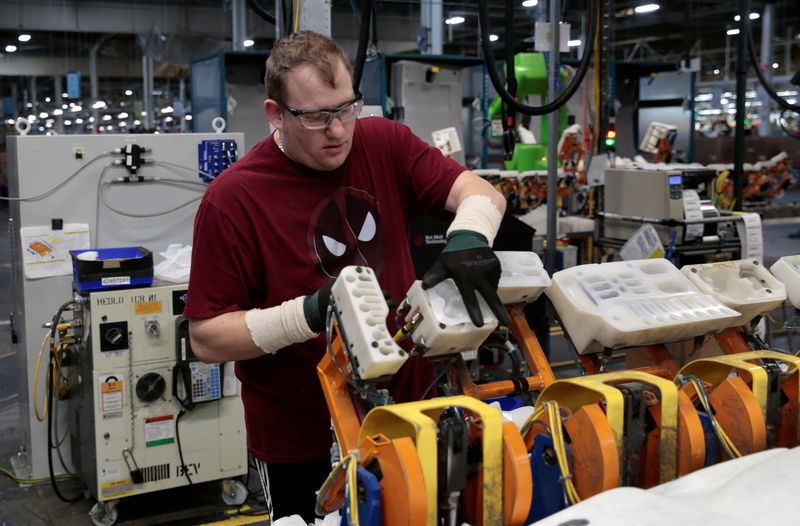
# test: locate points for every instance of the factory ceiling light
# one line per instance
(10, 48)
(24, 37)
(453, 20)
(646, 8)
(530, 3)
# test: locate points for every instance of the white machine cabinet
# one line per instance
(128, 433)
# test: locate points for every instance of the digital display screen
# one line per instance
(674, 179)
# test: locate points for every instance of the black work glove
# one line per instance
(315, 307)
(468, 259)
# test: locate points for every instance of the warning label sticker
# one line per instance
(111, 389)
(148, 307)
(159, 430)
(116, 488)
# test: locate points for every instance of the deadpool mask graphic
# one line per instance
(345, 229)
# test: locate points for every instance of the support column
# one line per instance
(552, 136)
(57, 88)
(741, 88)
(147, 92)
(431, 31)
(239, 19)
(765, 128)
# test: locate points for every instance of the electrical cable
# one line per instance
(441, 373)
(187, 168)
(257, 9)
(51, 373)
(19, 480)
(350, 462)
(760, 74)
(535, 416)
(180, 449)
(102, 198)
(483, 14)
(297, 17)
(39, 417)
(363, 41)
(561, 450)
(329, 347)
(722, 436)
(57, 403)
(62, 183)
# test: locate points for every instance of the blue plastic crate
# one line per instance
(112, 268)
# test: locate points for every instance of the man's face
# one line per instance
(324, 149)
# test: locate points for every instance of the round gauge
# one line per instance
(150, 387)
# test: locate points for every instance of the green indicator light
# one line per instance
(610, 142)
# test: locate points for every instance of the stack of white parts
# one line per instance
(633, 303)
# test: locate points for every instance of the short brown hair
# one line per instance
(303, 47)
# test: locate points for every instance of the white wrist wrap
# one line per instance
(479, 214)
(278, 327)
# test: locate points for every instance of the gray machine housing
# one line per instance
(656, 194)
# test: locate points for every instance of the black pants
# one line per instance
(290, 489)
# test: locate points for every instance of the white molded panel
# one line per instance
(787, 270)
(631, 303)
(362, 311)
(523, 278)
(743, 285)
(445, 326)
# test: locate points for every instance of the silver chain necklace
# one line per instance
(280, 143)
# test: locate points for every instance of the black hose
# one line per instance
(257, 9)
(180, 449)
(363, 41)
(751, 48)
(50, 376)
(50, 373)
(511, 74)
(483, 13)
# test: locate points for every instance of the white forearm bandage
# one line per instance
(479, 214)
(278, 327)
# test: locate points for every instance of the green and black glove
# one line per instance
(468, 259)
(315, 307)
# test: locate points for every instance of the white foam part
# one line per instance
(743, 285)
(362, 311)
(445, 326)
(523, 277)
(787, 270)
(754, 489)
(633, 303)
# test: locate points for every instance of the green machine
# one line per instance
(530, 70)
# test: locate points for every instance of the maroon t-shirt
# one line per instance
(269, 229)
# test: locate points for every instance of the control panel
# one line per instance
(214, 156)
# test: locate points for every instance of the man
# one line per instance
(324, 191)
